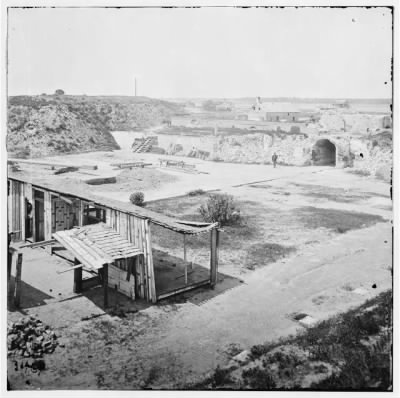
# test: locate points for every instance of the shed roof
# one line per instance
(96, 245)
(190, 228)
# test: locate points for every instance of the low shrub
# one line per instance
(220, 377)
(137, 198)
(196, 192)
(258, 379)
(220, 208)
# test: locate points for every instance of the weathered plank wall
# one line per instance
(63, 215)
(47, 215)
(15, 216)
(136, 231)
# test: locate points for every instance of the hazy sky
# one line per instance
(207, 52)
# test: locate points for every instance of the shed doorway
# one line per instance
(324, 153)
(38, 225)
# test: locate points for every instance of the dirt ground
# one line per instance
(314, 240)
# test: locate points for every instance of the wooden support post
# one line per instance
(214, 257)
(81, 212)
(186, 274)
(184, 247)
(23, 215)
(17, 296)
(105, 285)
(77, 278)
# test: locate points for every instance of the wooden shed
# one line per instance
(40, 210)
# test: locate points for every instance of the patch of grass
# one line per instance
(339, 221)
(260, 254)
(356, 345)
(340, 195)
(359, 172)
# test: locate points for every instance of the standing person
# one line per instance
(274, 159)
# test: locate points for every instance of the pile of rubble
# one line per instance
(28, 337)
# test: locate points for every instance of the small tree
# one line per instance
(220, 208)
(137, 198)
(59, 92)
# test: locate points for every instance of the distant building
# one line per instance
(387, 122)
(280, 112)
(224, 106)
(342, 103)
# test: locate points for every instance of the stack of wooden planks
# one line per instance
(179, 166)
(50, 164)
(130, 165)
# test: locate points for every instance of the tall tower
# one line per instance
(135, 87)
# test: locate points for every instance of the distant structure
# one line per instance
(281, 112)
(224, 106)
(135, 87)
(340, 103)
(258, 105)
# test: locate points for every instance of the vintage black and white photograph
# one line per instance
(198, 198)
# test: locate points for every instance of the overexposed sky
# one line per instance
(203, 52)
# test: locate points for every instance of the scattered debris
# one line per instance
(30, 338)
(66, 170)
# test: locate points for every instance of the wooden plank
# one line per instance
(11, 206)
(128, 228)
(213, 258)
(17, 294)
(184, 248)
(152, 280)
(117, 245)
(70, 269)
(90, 250)
(145, 275)
(82, 256)
(183, 289)
(105, 284)
(81, 212)
(23, 214)
(118, 220)
(29, 192)
(77, 277)
(47, 215)
(40, 163)
(39, 244)
(34, 218)
(125, 253)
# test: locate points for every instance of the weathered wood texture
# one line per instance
(60, 214)
(64, 215)
(18, 282)
(47, 215)
(214, 257)
(77, 277)
(15, 215)
(105, 284)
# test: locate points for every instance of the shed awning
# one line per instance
(96, 245)
(74, 191)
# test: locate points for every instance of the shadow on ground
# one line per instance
(30, 296)
(203, 294)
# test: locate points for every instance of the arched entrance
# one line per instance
(324, 153)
